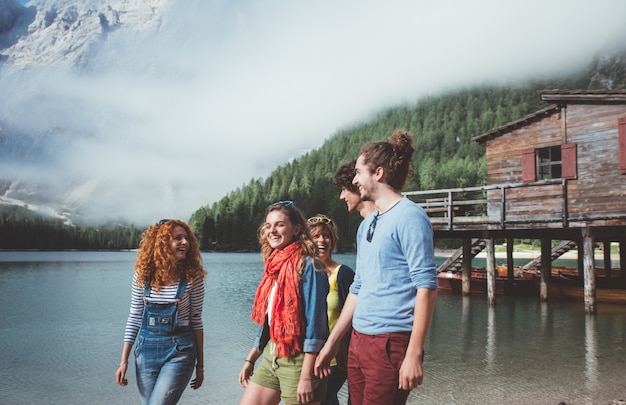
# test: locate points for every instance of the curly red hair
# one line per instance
(156, 264)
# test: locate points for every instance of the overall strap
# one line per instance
(146, 292)
(182, 284)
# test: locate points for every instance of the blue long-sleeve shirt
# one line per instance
(391, 267)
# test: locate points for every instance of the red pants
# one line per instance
(373, 368)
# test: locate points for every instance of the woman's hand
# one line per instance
(120, 374)
(305, 390)
(197, 382)
(246, 372)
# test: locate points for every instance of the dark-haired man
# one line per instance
(350, 192)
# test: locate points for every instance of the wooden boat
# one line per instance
(606, 291)
(558, 271)
(564, 284)
(453, 282)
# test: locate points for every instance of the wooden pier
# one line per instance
(556, 175)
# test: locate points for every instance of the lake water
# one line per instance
(63, 315)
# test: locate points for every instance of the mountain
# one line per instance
(67, 33)
(61, 100)
(42, 39)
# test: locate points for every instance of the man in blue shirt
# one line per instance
(392, 298)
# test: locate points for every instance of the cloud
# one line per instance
(229, 90)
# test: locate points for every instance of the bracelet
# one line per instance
(249, 361)
(199, 366)
(122, 364)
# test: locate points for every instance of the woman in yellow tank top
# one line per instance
(324, 233)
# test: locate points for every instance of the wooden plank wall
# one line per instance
(599, 187)
(504, 166)
(504, 153)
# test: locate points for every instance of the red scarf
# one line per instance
(287, 323)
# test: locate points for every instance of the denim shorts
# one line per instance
(282, 374)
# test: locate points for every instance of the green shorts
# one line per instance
(283, 375)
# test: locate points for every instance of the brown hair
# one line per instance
(394, 155)
(344, 176)
(326, 224)
(155, 260)
(296, 218)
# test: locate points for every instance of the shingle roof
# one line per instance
(560, 97)
(522, 122)
(556, 95)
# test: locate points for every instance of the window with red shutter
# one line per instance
(528, 166)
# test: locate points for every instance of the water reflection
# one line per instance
(490, 352)
(520, 351)
(591, 359)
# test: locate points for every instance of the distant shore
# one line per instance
(527, 254)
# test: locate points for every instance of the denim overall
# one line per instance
(165, 355)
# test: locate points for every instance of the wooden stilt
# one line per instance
(491, 272)
(607, 258)
(581, 263)
(622, 259)
(466, 266)
(589, 272)
(510, 274)
(546, 267)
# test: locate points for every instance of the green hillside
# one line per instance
(442, 125)
(445, 157)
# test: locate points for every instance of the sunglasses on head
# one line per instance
(286, 204)
(161, 222)
(323, 220)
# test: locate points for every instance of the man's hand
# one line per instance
(411, 373)
(322, 363)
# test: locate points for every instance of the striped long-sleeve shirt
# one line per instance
(189, 308)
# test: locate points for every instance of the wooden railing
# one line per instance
(486, 205)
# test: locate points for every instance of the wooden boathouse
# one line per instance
(558, 174)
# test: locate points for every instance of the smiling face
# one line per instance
(324, 242)
(351, 198)
(279, 230)
(364, 179)
(179, 243)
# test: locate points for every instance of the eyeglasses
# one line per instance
(372, 227)
(161, 222)
(315, 220)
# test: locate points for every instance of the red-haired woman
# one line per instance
(166, 314)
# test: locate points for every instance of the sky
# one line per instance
(229, 90)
